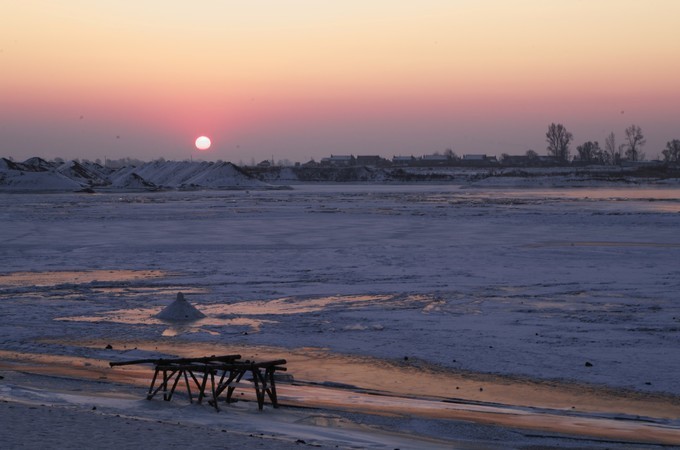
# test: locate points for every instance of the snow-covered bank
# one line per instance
(38, 175)
(498, 176)
(66, 411)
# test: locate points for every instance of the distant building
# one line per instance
(370, 160)
(474, 157)
(403, 160)
(517, 160)
(432, 160)
(479, 160)
(549, 161)
(311, 163)
(339, 160)
(435, 158)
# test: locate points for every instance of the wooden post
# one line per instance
(186, 382)
(151, 393)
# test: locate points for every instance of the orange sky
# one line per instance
(304, 79)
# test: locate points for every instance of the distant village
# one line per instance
(447, 159)
(629, 153)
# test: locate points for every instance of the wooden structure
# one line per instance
(211, 376)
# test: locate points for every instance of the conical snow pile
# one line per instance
(180, 310)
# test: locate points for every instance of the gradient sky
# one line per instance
(301, 79)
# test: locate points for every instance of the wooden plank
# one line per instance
(222, 358)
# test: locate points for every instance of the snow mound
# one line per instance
(133, 181)
(22, 181)
(6, 164)
(197, 175)
(188, 175)
(75, 175)
(37, 164)
(79, 173)
(180, 310)
(221, 175)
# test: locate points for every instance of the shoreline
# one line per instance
(601, 414)
(39, 176)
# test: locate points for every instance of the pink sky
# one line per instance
(304, 79)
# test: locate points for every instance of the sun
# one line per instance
(203, 143)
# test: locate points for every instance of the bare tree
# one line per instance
(672, 151)
(450, 154)
(590, 152)
(558, 139)
(611, 153)
(634, 142)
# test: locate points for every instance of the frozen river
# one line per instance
(528, 282)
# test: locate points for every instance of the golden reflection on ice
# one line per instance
(293, 305)
(108, 282)
(55, 278)
(245, 313)
(145, 316)
(372, 386)
(141, 291)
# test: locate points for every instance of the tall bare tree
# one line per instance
(672, 151)
(634, 142)
(558, 139)
(611, 154)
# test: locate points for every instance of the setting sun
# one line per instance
(203, 143)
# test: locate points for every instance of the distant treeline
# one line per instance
(558, 138)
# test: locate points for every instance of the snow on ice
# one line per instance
(546, 287)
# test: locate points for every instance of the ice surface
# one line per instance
(509, 282)
(524, 282)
